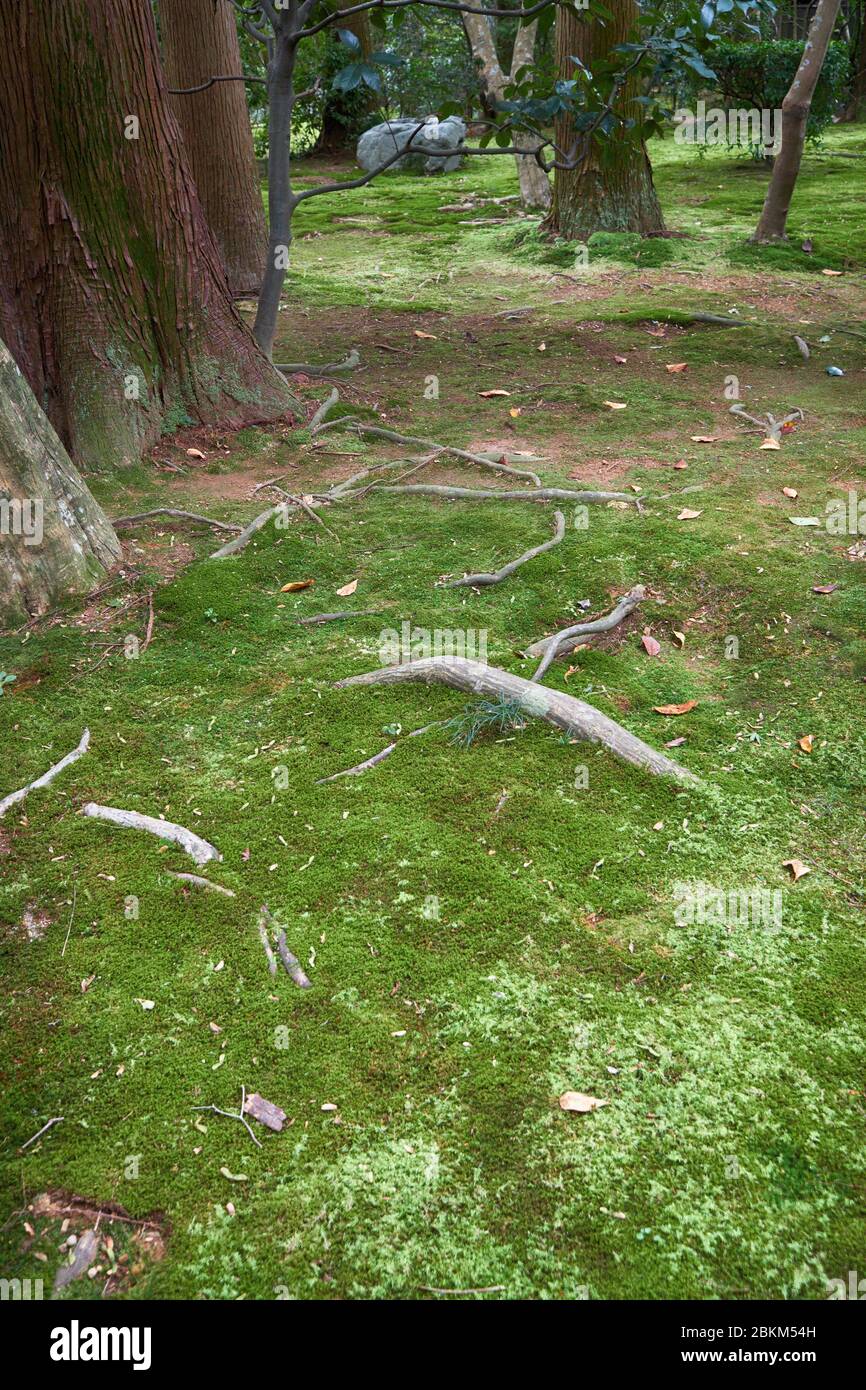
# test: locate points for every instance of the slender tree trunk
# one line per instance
(281, 97)
(795, 115)
(113, 298)
(55, 541)
(200, 41)
(614, 194)
(856, 108)
(534, 183)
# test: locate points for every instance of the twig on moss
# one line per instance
(550, 647)
(480, 580)
(47, 777)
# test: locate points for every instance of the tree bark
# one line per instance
(534, 183)
(343, 113)
(856, 108)
(200, 41)
(55, 541)
(614, 193)
(795, 114)
(113, 297)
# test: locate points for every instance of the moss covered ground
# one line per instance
(472, 957)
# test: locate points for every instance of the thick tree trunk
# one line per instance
(55, 541)
(113, 298)
(615, 194)
(795, 115)
(200, 41)
(534, 183)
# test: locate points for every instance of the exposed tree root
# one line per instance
(327, 404)
(480, 580)
(242, 541)
(47, 777)
(550, 647)
(574, 717)
(291, 964)
(200, 850)
(769, 426)
(200, 882)
(178, 516)
(376, 758)
(379, 432)
(535, 494)
(327, 369)
(318, 618)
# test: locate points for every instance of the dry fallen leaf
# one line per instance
(514, 411)
(650, 645)
(676, 366)
(770, 443)
(797, 867)
(486, 394)
(295, 585)
(675, 742)
(675, 709)
(824, 588)
(679, 638)
(542, 347)
(806, 743)
(688, 515)
(579, 1103)
(681, 463)
(825, 271)
(616, 405)
(790, 492)
(195, 454)
(347, 589)
(704, 438)
(804, 520)
(621, 360)
(420, 334)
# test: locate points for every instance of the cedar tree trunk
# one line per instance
(200, 41)
(113, 297)
(534, 183)
(616, 193)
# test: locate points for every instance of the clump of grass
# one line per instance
(501, 716)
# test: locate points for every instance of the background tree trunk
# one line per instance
(615, 194)
(856, 108)
(199, 41)
(77, 543)
(534, 183)
(113, 298)
(344, 113)
(795, 114)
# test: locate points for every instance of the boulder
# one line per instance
(436, 138)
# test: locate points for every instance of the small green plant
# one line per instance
(501, 716)
(6, 678)
(210, 615)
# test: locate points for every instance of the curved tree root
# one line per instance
(178, 516)
(574, 717)
(310, 369)
(481, 580)
(379, 432)
(47, 777)
(200, 850)
(550, 647)
(473, 494)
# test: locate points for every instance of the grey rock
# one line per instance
(436, 138)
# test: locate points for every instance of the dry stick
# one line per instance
(573, 716)
(292, 964)
(32, 1140)
(549, 647)
(263, 934)
(149, 633)
(202, 883)
(71, 917)
(230, 1114)
(308, 369)
(200, 850)
(379, 433)
(535, 494)
(179, 516)
(478, 580)
(14, 797)
(318, 618)
(376, 758)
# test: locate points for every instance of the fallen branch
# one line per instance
(14, 797)
(242, 541)
(292, 964)
(327, 404)
(318, 618)
(479, 580)
(178, 516)
(573, 716)
(148, 636)
(376, 758)
(550, 647)
(309, 369)
(769, 426)
(200, 850)
(200, 882)
(230, 1115)
(263, 935)
(57, 1119)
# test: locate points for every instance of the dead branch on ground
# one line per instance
(480, 580)
(551, 647)
(198, 849)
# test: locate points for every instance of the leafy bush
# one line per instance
(757, 76)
